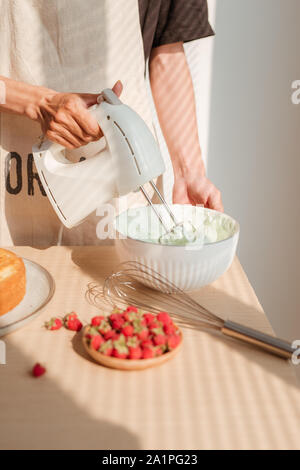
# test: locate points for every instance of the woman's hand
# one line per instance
(192, 187)
(65, 118)
(174, 99)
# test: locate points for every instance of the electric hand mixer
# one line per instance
(130, 159)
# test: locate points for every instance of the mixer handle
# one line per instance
(106, 95)
(109, 96)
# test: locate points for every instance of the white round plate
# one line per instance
(40, 288)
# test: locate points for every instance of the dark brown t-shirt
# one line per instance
(168, 21)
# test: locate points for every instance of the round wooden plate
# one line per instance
(128, 364)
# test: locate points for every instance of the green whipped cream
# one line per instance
(199, 226)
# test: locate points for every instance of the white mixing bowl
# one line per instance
(188, 267)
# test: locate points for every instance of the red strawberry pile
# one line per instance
(70, 321)
(133, 334)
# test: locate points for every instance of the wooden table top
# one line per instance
(217, 393)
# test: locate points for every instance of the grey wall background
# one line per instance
(250, 136)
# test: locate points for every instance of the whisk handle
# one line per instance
(274, 345)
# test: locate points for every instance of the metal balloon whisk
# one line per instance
(124, 287)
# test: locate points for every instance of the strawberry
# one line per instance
(93, 331)
(132, 341)
(169, 329)
(118, 323)
(164, 317)
(159, 350)
(116, 336)
(155, 326)
(120, 350)
(135, 352)
(117, 316)
(148, 353)
(130, 316)
(130, 313)
(76, 325)
(157, 331)
(96, 321)
(53, 324)
(72, 322)
(96, 342)
(118, 354)
(173, 341)
(131, 308)
(38, 370)
(120, 339)
(138, 324)
(148, 343)
(70, 316)
(140, 328)
(149, 318)
(127, 330)
(106, 348)
(143, 334)
(160, 339)
(113, 316)
(110, 334)
(104, 326)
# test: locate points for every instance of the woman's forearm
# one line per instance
(174, 99)
(21, 98)
(64, 117)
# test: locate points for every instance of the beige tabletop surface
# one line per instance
(216, 393)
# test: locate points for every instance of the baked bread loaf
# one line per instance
(12, 280)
